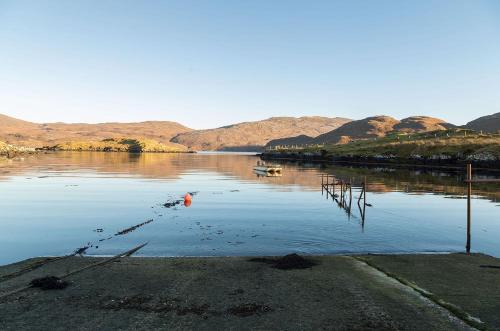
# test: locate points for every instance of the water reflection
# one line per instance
(53, 203)
(172, 166)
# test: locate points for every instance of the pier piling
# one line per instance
(469, 193)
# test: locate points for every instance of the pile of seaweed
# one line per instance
(287, 262)
(49, 283)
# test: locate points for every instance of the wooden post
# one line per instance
(361, 194)
(350, 196)
(326, 187)
(322, 185)
(364, 189)
(341, 198)
(469, 193)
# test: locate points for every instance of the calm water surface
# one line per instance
(52, 204)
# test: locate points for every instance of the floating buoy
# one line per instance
(188, 199)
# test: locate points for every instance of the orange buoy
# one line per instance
(188, 199)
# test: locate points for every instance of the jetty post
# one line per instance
(469, 193)
(322, 184)
(364, 190)
(326, 187)
(350, 191)
(469, 182)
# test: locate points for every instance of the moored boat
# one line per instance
(267, 168)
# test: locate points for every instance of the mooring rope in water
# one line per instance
(111, 259)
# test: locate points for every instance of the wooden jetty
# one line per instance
(341, 191)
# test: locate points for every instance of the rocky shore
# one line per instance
(11, 151)
(438, 148)
(482, 159)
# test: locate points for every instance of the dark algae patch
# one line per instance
(49, 283)
(132, 228)
(150, 304)
(248, 309)
(136, 302)
(82, 250)
(287, 262)
(490, 266)
(170, 204)
(193, 309)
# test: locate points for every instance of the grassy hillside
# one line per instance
(255, 135)
(449, 143)
(453, 144)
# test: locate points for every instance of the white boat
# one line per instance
(267, 168)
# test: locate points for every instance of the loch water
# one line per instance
(52, 204)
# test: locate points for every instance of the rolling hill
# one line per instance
(416, 124)
(490, 124)
(18, 132)
(246, 136)
(255, 135)
(370, 127)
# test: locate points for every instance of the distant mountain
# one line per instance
(255, 135)
(370, 127)
(246, 136)
(15, 131)
(489, 124)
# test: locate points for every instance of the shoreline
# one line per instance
(372, 161)
(364, 291)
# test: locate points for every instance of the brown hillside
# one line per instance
(380, 126)
(298, 140)
(370, 127)
(422, 124)
(20, 132)
(255, 135)
(490, 124)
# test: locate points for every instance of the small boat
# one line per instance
(267, 168)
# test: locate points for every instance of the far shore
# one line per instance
(374, 161)
(43, 149)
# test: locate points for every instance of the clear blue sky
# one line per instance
(209, 63)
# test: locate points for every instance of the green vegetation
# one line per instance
(444, 144)
(116, 145)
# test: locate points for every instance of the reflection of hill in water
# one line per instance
(155, 166)
(172, 166)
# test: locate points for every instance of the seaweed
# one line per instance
(49, 283)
